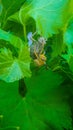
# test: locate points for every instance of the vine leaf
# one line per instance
(9, 7)
(71, 63)
(14, 67)
(57, 45)
(49, 16)
(11, 68)
(68, 33)
(43, 107)
(68, 40)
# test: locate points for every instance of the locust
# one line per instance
(37, 51)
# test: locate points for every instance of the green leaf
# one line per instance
(13, 68)
(68, 34)
(57, 45)
(10, 7)
(12, 39)
(71, 63)
(1, 7)
(15, 28)
(68, 39)
(50, 16)
(43, 107)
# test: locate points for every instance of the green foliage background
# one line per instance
(36, 98)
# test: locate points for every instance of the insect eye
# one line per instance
(42, 40)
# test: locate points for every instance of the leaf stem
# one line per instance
(24, 29)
